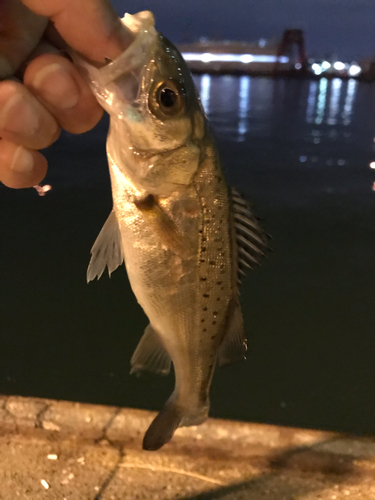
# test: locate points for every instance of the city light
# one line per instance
(372, 164)
(247, 58)
(316, 68)
(339, 66)
(208, 57)
(355, 70)
(326, 65)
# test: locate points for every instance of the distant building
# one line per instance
(262, 57)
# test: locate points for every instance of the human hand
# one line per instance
(53, 94)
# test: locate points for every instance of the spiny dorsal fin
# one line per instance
(107, 250)
(150, 354)
(234, 346)
(251, 241)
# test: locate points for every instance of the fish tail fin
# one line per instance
(172, 416)
(163, 426)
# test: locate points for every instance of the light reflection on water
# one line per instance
(243, 106)
(321, 121)
(205, 85)
(324, 104)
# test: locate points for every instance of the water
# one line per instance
(301, 152)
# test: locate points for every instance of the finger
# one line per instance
(23, 119)
(20, 167)
(20, 31)
(55, 82)
(90, 27)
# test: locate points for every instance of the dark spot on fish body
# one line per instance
(205, 308)
(212, 263)
(203, 278)
(206, 295)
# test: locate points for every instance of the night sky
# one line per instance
(342, 27)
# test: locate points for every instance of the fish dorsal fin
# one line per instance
(107, 250)
(234, 346)
(251, 241)
(150, 354)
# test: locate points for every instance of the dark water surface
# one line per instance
(301, 152)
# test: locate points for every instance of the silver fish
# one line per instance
(184, 235)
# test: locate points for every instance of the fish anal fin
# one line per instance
(107, 250)
(150, 354)
(234, 346)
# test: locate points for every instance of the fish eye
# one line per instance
(167, 99)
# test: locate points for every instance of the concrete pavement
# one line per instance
(63, 450)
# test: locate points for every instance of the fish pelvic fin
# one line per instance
(172, 416)
(107, 250)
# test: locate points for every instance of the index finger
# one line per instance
(90, 27)
(20, 32)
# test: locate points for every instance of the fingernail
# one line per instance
(56, 86)
(23, 161)
(18, 116)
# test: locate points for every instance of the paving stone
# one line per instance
(63, 450)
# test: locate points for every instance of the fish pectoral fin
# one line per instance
(107, 250)
(150, 354)
(167, 230)
(234, 346)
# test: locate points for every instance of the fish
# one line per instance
(186, 237)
